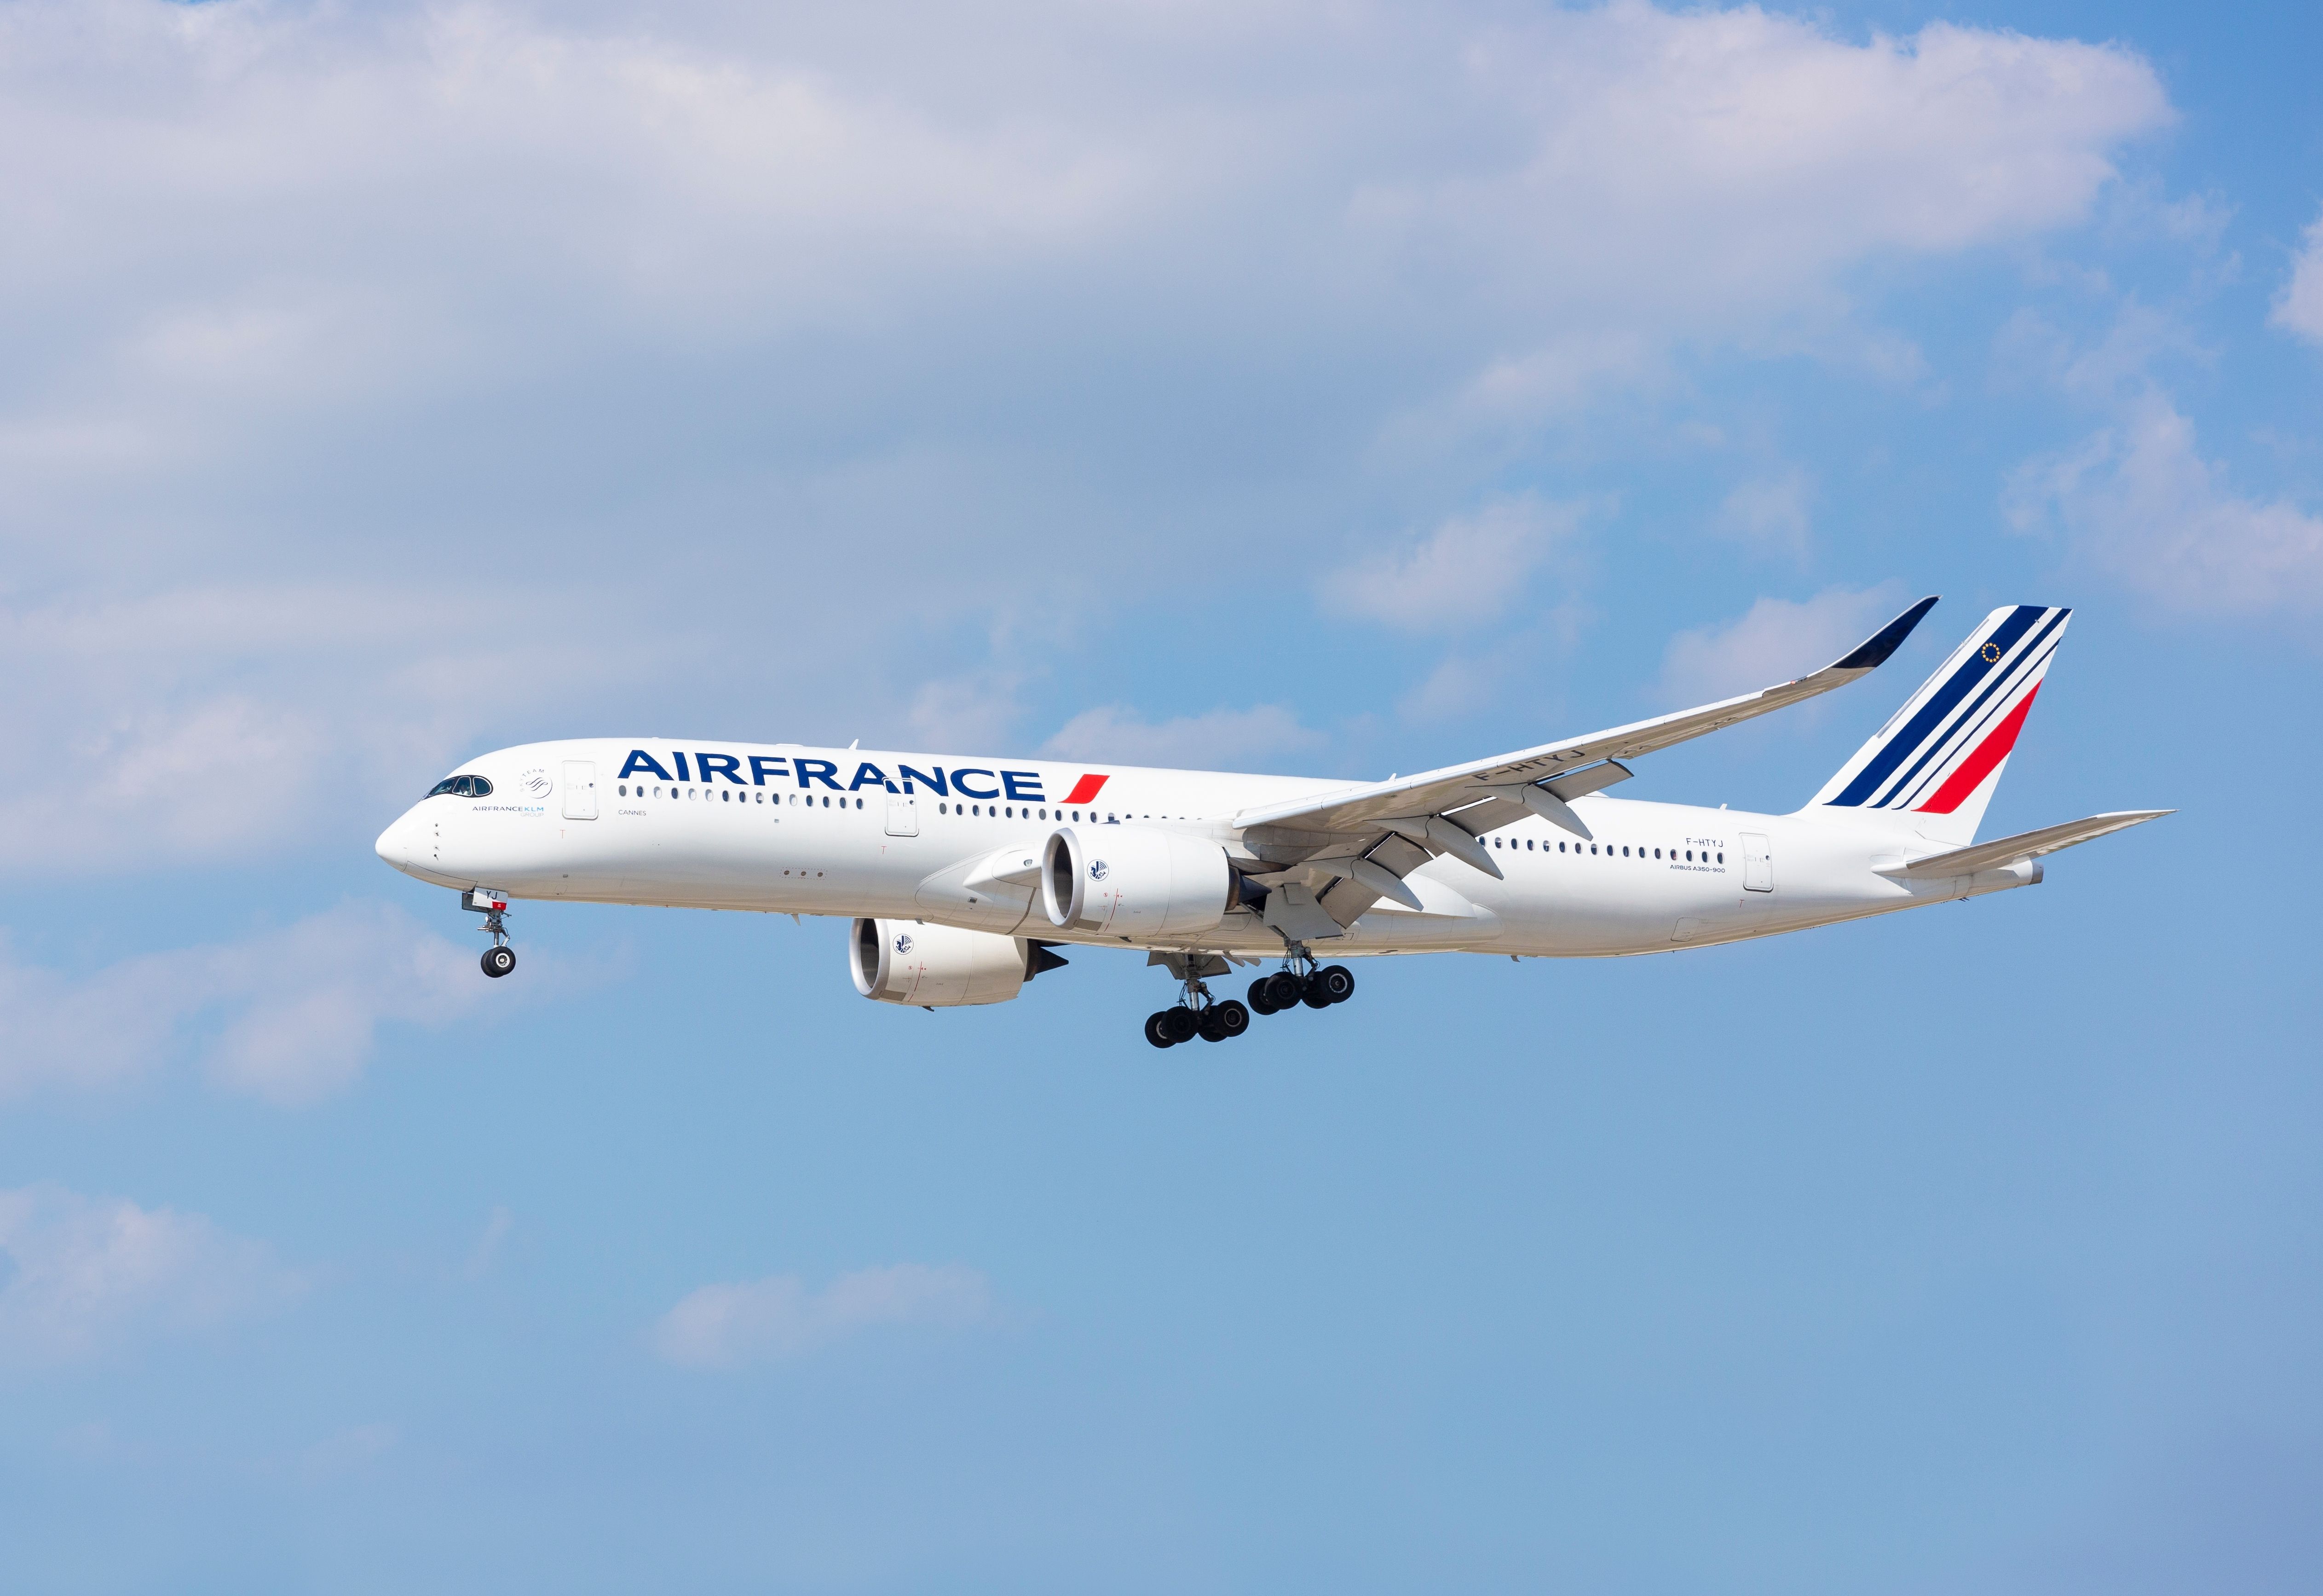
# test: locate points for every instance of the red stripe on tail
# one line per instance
(1988, 753)
(1085, 789)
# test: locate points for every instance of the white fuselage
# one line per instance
(850, 832)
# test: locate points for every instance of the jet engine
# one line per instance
(1133, 881)
(940, 967)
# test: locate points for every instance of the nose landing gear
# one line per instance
(499, 958)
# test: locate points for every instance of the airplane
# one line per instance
(962, 878)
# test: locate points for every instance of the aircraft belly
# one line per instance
(1445, 919)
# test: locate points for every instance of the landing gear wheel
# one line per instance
(1314, 991)
(1337, 980)
(1157, 1029)
(1260, 1002)
(498, 961)
(1283, 990)
(1180, 1024)
(1225, 1021)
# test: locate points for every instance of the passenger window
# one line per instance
(1722, 858)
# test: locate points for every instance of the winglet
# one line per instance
(1888, 639)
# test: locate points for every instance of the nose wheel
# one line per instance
(499, 958)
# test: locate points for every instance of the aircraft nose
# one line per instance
(393, 845)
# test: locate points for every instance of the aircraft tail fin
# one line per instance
(1934, 766)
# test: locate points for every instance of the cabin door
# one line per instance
(902, 817)
(1757, 864)
(580, 789)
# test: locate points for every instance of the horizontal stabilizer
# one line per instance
(2026, 845)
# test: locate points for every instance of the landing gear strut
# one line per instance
(1196, 1014)
(499, 958)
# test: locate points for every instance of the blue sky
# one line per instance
(1324, 389)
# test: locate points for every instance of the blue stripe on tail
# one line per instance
(2001, 684)
(1973, 670)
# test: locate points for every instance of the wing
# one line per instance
(1337, 854)
(1507, 776)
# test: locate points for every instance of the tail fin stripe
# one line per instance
(1988, 753)
(1933, 713)
(2029, 662)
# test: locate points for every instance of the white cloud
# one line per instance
(976, 711)
(1771, 514)
(246, 212)
(1260, 738)
(2299, 307)
(288, 1016)
(340, 326)
(81, 1277)
(726, 1326)
(1775, 641)
(213, 722)
(1470, 568)
(2138, 499)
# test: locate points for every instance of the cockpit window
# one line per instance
(462, 786)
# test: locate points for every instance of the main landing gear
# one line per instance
(499, 958)
(1287, 989)
(1196, 1014)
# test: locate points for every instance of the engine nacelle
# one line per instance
(937, 967)
(1133, 881)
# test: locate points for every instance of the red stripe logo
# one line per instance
(1086, 789)
(1988, 753)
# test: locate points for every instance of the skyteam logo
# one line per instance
(535, 782)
